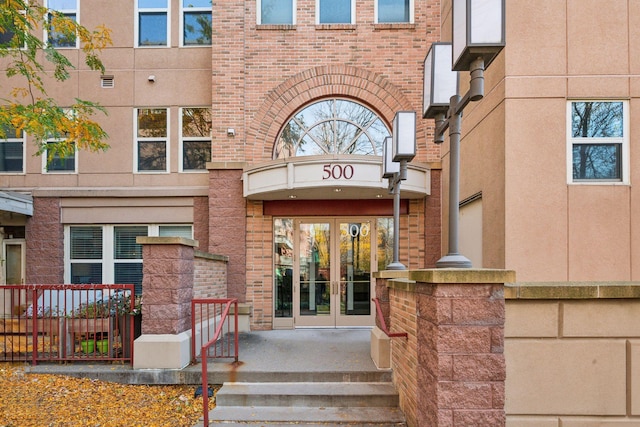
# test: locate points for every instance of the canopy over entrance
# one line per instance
(16, 203)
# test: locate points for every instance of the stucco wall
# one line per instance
(572, 354)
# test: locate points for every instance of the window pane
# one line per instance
(62, 39)
(59, 164)
(62, 4)
(335, 11)
(276, 12)
(86, 273)
(11, 154)
(152, 122)
(175, 231)
(157, 4)
(125, 246)
(597, 161)
(393, 11)
(86, 242)
(196, 122)
(152, 29)
(129, 273)
(197, 28)
(596, 119)
(195, 155)
(283, 256)
(152, 156)
(196, 3)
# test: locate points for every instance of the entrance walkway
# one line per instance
(295, 355)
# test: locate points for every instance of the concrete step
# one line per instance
(271, 416)
(338, 394)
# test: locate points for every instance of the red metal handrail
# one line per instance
(383, 323)
(219, 326)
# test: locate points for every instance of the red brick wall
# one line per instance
(45, 243)
(209, 276)
(260, 266)
(227, 226)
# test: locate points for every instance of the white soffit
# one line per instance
(330, 177)
(16, 203)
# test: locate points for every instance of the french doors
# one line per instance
(333, 260)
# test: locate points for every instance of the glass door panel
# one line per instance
(355, 287)
(313, 305)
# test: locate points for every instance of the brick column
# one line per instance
(460, 329)
(167, 284)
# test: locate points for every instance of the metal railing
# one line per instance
(66, 322)
(217, 337)
(383, 323)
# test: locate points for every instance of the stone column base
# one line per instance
(162, 351)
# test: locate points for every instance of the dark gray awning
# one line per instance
(16, 203)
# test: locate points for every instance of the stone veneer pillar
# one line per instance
(451, 370)
(167, 291)
(461, 365)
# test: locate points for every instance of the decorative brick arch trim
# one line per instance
(374, 90)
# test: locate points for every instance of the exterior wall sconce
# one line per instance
(398, 150)
(478, 37)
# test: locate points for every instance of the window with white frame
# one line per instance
(11, 38)
(151, 145)
(393, 11)
(109, 253)
(276, 12)
(196, 22)
(598, 141)
(195, 138)
(58, 35)
(12, 145)
(57, 163)
(335, 11)
(152, 23)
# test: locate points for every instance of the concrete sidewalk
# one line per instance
(295, 355)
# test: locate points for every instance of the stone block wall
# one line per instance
(573, 354)
(45, 242)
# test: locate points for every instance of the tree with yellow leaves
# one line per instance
(26, 107)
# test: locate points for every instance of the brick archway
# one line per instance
(375, 90)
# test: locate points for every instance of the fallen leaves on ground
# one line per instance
(42, 400)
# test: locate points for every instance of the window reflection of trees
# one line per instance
(334, 126)
(598, 127)
(197, 28)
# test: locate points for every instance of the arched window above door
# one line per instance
(332, 126)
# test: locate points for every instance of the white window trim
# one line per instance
(181, 25)
(188, 138)
(136, 24)
(22, 139)
(108, 259)
(411, 14)
(45, 155)
(353, 15)
(259, 13)
(624, 141)
(75, 11)
(136, 139)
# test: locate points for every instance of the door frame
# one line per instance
(335, 319)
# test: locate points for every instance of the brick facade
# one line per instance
(45, 243)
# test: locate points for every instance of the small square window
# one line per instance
(276, 12)
(598, 141)
(335, 12)
(58, 163)
(393, 11)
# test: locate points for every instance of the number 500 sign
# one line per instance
(330, 171)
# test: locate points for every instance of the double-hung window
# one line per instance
(276, 12)
(393, 11)
(195, 138)
(335, 11)
(151, 145)
(598, 141)
(109, 253)
(12, 145)
(60, 35)
(152, 23)
(196, 22)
